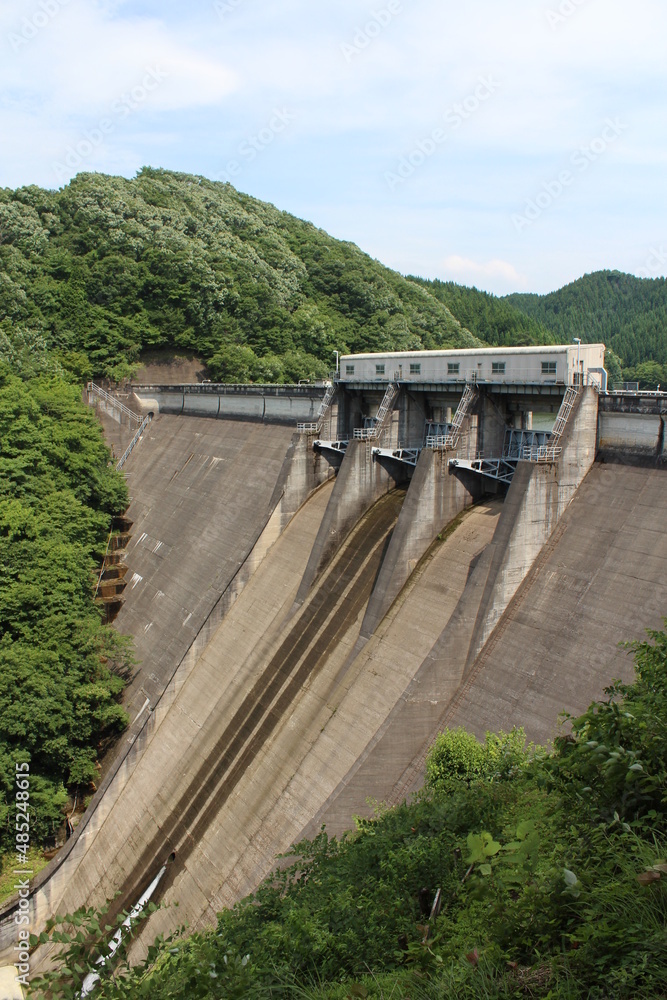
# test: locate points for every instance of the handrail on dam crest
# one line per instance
(95, 390)
(135, 440)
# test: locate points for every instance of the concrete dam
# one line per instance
(312, 604)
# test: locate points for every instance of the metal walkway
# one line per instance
(327, 399)
(375, 425)
(450, 440)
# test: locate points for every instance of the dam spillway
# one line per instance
(346, 622)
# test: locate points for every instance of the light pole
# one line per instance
(577, 341)
(337, 357)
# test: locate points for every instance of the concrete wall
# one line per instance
(360, 482)
(635, 435)
(304, 470)
(435, 497)
(536, 500)
(275, 404)
(394, 693)
(600, 582)
(209, 500)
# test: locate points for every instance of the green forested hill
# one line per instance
(493, 320)
(108, 266)
(626, 313)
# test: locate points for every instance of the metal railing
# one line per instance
(450, 440)
(466, 401)
(96, 390)
(314, 428)
(135, 440)
(386, 406)
(569, 399)
(541, 453)
(376, 423)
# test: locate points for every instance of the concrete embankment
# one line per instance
(600, 582)
(346, 637)
(208, 499)
(189, 790)
(201, 495)
(597, 583)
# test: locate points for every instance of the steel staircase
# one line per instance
(376, 425)
(569, 399)
(315, 426)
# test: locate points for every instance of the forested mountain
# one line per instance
(492, 319)
(627, 314)
(108, 266)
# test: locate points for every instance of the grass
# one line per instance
(35, 861)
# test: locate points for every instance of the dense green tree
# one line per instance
(492, 319)
(107, 267)
(58, 689)
(626, 313)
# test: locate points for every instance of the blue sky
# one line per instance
(514, 145)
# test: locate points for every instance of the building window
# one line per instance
(349, 369)
(498, 367)
(548, 367)
(379, 369)
(453, 367)
(415, 369)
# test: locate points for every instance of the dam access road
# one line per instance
(308, 618)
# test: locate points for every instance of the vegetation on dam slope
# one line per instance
(58, 689)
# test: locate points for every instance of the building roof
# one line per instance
(474, 351)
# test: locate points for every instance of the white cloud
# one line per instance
(468, 272)
(79, 60)
(355, 119)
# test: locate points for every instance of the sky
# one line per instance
(510, 145)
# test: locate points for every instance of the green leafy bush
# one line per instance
(458, 756)
(58, 689)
